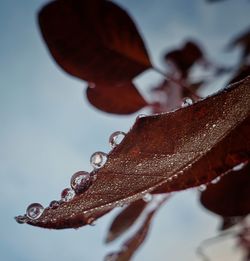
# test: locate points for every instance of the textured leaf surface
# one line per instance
(173, 151)
(93, 40)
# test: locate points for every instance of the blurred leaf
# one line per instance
(125, 219)
(123, 98)
(228, 222)
(185, 57)
(241, 74)
(132, 244)
(242, 40)
(230, 196)
(173, 151)
(85, 39)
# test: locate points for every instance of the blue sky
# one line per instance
(48, 129)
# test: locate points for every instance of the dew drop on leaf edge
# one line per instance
(116, 138)
(34, 211)
(67, 194)
(186, 102)
(80, 181)
(98, 159)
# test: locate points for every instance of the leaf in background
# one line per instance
(185, 57)
(132, 244)
(230, 196)
(174, 151)
(93, 40)
(242, 40)
(125, 219)
(123, 98)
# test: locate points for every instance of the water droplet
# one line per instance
(202, 187)
(116, 138)
(98, 159)
(80, 181)
(239, 166)
(147, 197)
(140, 116)
(216, 180)
(67, 194)
(21, 219)
(34, 210)
(54, 204)
(186, 102)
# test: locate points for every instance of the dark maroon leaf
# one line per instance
(125, 219)
(122, 98)
(174, 151)
(231, 196)
(185, 57)
(132, 244)
(93, 40)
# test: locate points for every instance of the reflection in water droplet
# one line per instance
(186, 102)
(116, 138)
(34, 210)
(239, 166)
(216, 180)
(54, 204)
(202, 187)
(98, 159)
(80, 181)
(147, 197)
(67, 194)
(21, 219)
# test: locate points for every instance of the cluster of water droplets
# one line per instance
(79, 183)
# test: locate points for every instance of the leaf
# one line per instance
(120, 99)
(132, 244)
(93, 40)
(242, 40)
(185, 57)
(125, 219)
(231, 196)
(172, 151)
(228, 222)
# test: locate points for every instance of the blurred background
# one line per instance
(49, 130)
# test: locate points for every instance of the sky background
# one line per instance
(48, 131)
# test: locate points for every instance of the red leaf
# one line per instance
(185, 57)
(173, 150)
(93, 40)
(125, 219)
(231, 196)
(120, 99)
(132, 244)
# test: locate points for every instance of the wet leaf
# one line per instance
(122, 98)
(132, 244)
(85, 39)
(172, 151)
(185, 57)
(125, 219)
(230, 196)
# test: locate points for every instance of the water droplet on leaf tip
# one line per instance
(21, 219)
(116, 138)
(81, 181)
(202, 187)
(147, 197)
(34, 211)
(98, 159)
(186, 102)
(67, 194)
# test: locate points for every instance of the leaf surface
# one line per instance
(173, 151)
